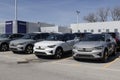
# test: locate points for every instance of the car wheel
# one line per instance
(105, 56)
(58, 53)
(29, 49)
(114, 52)
(4, 47)
(14, 51)
(38, 56)
(75, 58)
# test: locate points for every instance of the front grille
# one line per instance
(40, 53)
(85, 49)
(86, 56)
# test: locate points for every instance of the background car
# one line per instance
(55, 45)
(26, 43)
(81, 35)
(6, 38)
(95, 46)
(116, 36)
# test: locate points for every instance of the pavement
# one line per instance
(29, 67)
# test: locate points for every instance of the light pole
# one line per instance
(15, 9)
(78, 12)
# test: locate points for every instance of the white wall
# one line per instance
(49, 29)
(14, 26)
(64, 29)
(32, 27)
(96, 26)
(2, 27)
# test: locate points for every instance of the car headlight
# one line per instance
(99, 47)
(51, 46)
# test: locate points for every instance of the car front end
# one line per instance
(19, 45)
(95, 50)
(45, 47)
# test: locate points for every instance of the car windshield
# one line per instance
(29, 36)
(94, 37)
(55, 37)
(4, 35)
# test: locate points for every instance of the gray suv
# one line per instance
(26, 43)
(6, 38)
(95, 46)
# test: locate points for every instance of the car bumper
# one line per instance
(97, 54)
(46, 52)
(17, 48)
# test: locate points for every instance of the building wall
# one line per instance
(2, 27)
(49, 29)
(96, 27)
(64, 29)
(56, 29)
(21, 27)
(32, 27)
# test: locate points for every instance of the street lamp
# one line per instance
(78, 12)
(15, 9)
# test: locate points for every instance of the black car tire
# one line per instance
(114, 52)
(105, 56)
(29, 49)
(4, 47)
(58, 53)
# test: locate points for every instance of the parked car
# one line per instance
(116, 36)
(55, 45)
(26, 43)
(95, 46)
(81, 35)
(6, 38)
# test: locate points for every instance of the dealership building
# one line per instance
(97, 27)
(56, 29)
(17, 26)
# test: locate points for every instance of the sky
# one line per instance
(59, 12)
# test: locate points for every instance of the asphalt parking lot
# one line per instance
(29, 67)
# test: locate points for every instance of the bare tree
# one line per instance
(115, 13)
(103, 14)
(91, 17)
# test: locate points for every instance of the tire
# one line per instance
(75, 58)
(38, 56)
(105, 56)
(29, 49)
(4, 47)
(14, 51)
(58, 53)
(114, 52)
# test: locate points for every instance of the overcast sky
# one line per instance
(59, 12)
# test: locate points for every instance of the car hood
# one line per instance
(89, 44)
(3, 39)
(21, 41)
(46, 43)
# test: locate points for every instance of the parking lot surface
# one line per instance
(29, 67)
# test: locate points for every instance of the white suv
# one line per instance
(55, 45)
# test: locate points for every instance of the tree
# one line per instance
(103, 14)
(91, 17)
(115, 13)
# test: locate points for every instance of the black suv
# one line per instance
(6, 38)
